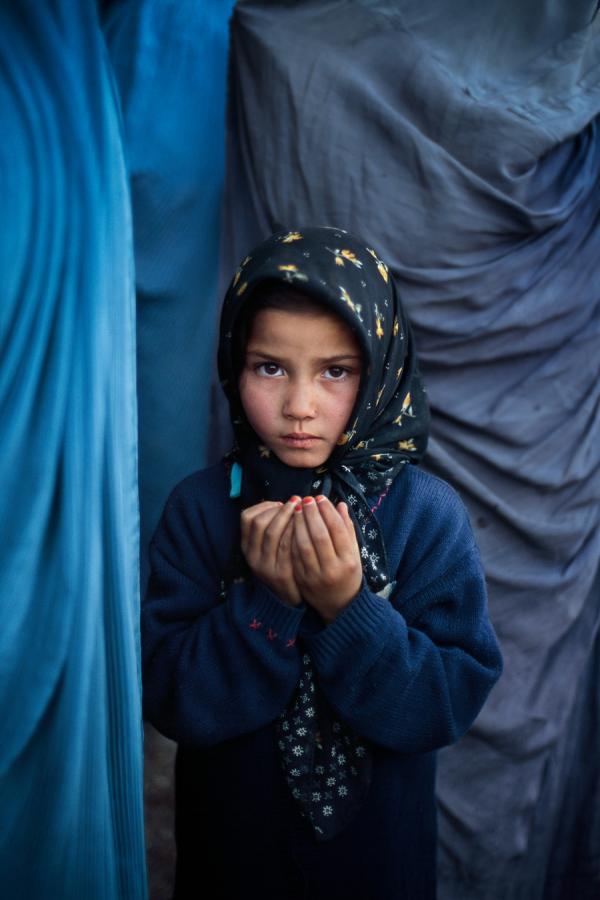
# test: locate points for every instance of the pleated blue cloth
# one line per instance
(170, 61)
(70, 725)
(462, 141)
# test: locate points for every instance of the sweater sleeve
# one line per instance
(213, 669)
(412, 674)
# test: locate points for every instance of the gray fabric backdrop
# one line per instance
(461, 141)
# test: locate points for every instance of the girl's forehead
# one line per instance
(300, 328)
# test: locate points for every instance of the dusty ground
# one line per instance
(158, 796)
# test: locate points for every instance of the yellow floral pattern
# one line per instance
(292, 272)
(378, 326)
(355, 307)
(343, 256)
(381, 266)
(407, 445)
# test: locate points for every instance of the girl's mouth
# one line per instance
(302, 441)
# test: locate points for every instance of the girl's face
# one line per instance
(299, 382)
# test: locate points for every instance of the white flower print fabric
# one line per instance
(325, 762)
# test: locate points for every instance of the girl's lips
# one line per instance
(300, 440)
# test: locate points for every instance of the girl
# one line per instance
(315, 624)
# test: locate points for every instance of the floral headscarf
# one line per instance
(389, 424)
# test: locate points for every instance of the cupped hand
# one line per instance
(325, 556)
(266, 538)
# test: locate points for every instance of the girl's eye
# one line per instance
(269, 369)
(336, 373)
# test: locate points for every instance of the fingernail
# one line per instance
(320, 498)
(308, 500)
(294, 499)
(298, 507)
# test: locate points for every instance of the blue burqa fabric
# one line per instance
(70, 723)
(170, 61)
(462, 141)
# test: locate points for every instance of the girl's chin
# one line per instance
(301, 459)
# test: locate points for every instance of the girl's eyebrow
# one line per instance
(321, 361)
(342, 357)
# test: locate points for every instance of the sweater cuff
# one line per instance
(261, 610)
(356, 637)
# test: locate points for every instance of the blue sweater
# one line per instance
(409, 672)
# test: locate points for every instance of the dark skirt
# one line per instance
(239, 831)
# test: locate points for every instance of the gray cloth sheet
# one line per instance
(462, 141)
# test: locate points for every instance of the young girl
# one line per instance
(315, 624)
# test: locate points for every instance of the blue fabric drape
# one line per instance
(463, 142)
(70, 722)
(170, 61)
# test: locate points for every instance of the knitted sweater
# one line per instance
(408, 672)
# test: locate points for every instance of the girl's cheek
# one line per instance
(258, 398)
(349, 391)
(248, 393)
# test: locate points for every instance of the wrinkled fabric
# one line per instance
(70, 719)
(464, 144)
(170, 63)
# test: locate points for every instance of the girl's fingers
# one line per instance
(319, 532)
(298, 564)
(285, 543)
(252, 511)
(273, 534)
(254, 521)
(344, 512)
(302, 536)
(336, 524)
(250, 514)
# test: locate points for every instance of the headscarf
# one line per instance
(389, 423)
(326, 764)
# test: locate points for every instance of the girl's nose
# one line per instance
(299, 402)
